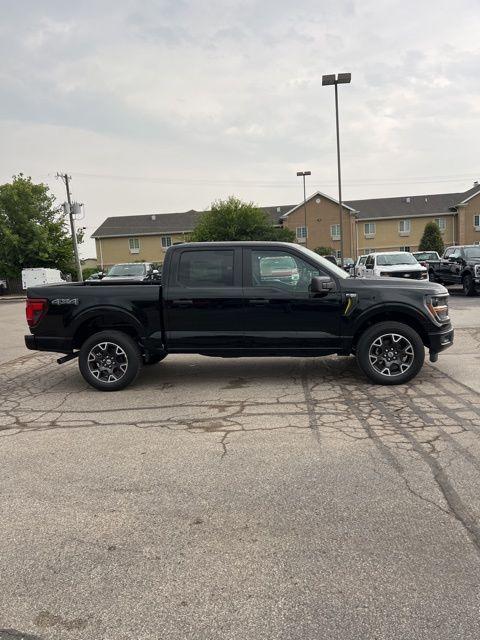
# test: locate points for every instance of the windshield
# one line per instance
(472, 252)
(392, 259)
(125, 270)
(426, 255)
(326, 264)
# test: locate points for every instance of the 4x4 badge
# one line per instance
(61, 301)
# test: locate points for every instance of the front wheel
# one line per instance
(468, 285)
(390, 353)
(109, 360)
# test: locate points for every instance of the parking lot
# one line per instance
(240, 499)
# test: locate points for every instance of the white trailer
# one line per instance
(39, 276)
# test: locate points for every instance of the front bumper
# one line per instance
(441, 339)
(42, 343)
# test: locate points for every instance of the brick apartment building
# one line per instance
(377, 224)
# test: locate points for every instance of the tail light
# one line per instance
(36, 309)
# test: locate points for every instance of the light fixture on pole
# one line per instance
(303, 174)
(332, 79)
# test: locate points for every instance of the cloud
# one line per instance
(228, 95)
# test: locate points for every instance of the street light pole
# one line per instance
(341, 78)
(303, 174)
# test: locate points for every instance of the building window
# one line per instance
(369, 229)
(166, 242)
(338, 254)
(441, 224)
(302, 232)
(335, 231)
(134, 245)
(405, 248)
(404, 227)
(476, 222)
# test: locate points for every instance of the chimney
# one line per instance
(475, 184)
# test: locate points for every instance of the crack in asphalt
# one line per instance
(425, 420)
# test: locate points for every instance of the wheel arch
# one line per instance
(104, 319)
(393, 314)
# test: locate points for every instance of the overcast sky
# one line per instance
(166, 105)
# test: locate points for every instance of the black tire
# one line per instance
(389, 353)
(153, 359)
(116, 364)
(468, 285)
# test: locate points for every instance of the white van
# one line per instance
(39, 276)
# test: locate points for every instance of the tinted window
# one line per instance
(369, 262)
(391, 259)
(472, 253)
(200, 269)
(281, 270)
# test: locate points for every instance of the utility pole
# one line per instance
(66, 179)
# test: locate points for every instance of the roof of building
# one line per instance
(373, 208)
(411, 205)
(161, 223)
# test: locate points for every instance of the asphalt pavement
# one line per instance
(240, 499)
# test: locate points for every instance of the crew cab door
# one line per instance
(281, 314)
(450, 269)
(203, 300)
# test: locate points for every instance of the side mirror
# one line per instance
(155, 272)
(321, 285)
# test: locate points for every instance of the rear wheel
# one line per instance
(109, 360)
(468, 285)
(390, 353)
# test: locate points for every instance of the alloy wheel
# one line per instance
(107, 361)
(391, 354)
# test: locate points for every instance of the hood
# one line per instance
(132, 278)
(377, 282)
(402, 267)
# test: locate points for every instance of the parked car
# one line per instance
(218, 299)
(428, 259)
(460, 265)
(133, 271)
(331, 259)
(396, 264)
(358, 269)
(348, 264)
(98, 275)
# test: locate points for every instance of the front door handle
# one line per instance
(182, 303)
(258, 302)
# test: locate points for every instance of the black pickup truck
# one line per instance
(459, 265)
(241, 299)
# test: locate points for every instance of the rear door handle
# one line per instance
(182, 303)
(258, 302)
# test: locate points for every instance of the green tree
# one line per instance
(33, 232)
(234, 220)
(325, 251)
(431, 239)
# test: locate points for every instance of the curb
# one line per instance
(12, 299)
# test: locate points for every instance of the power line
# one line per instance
(284, 183)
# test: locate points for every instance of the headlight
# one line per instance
(477, 270)
(424, 275)
(438, 308)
